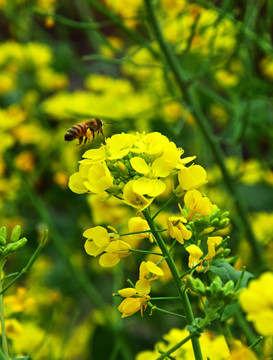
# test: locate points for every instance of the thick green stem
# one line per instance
(4, 335)
(178, 282)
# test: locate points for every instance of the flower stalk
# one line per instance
(3, 327)
(177, 279)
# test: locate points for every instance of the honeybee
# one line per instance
(84, 130)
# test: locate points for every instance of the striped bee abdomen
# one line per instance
(75, 132)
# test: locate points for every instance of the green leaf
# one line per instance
(230, 311)
(226, 272)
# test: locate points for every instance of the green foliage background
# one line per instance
(207, 86)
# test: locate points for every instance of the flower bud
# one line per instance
(111, 166)
(191, 283)
(216, 286)
(215, 222)
(228, 289)
(216, 213)
(15, 235)
(225, 214)
(120, 165)
(3, 232)
(2, 240)
(11, 247)
(208, 292)
(224, 223)
(200, 287)
(226, 252)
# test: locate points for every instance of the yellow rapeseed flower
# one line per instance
(197, 204)
(137, 224)
(177, 230)
(97, 241)
(195, 255)
(100, 241)
(192, 177)
(133, 199)
(213, 242)
(137, 298)
(257, 301)
(115, 251)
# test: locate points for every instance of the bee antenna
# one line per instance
(108, 123)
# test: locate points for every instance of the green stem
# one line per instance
(175, 347)
(178, 282)
(145, 252)
(141, 232)
(154, 307)
(164, 205)
(166, 298)
(4, 335)
(189, 95)
(29, 264)
(252, 346)
(227, 334)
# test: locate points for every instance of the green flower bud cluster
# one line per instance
(215, 292)
(219, 220)
(216, 221)
(15, 242)
(121, 170)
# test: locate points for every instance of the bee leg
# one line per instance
(85, 141)
(80, 140)
(93, 135)
(102, 134)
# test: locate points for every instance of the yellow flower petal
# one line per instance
(127, 292)
(120, 247)
(129, 306)
(76, 184)
(154, 269)
(92, 249)
(137, 224)
(139, 165)
(195, 254)
(109, 259)
(150, 187)
(97, 155)
(191, 197)
(133, 199)
(99, 235)
(143, 286)
(192, 177)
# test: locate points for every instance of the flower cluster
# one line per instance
(99, 241)
(134, 167)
